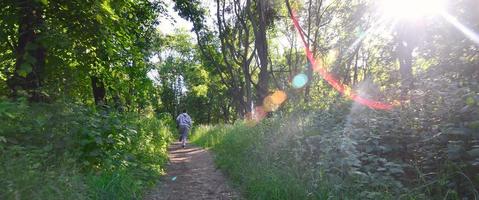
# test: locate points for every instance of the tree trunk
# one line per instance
(246, 62)
(349, 63)
(405, 69)
(355, 75)
(309, 67)
(30, 53)
(226, 113)
(236, 83)
(261, 44)
(98, 89)
(405, 46)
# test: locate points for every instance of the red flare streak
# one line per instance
(332, 80)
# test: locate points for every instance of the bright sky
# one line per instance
(174, 21)
(168, 25)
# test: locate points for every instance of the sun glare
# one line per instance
(412, 9)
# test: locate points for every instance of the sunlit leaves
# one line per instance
(200, 90)
(470, 101)
(105, 6)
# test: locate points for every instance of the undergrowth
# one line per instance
(278, 159)
(69, 151)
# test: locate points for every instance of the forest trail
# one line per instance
(191, 174)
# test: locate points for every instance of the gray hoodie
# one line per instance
(183, 119)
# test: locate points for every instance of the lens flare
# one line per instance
(466, 31)
(259, 113)
(273, 101)
(278, 97)
(347, 91)
(256, 115)
(331, 79)
(412, 9)
(396, 103)
(268, 104)
(300, 80)
(319, 64)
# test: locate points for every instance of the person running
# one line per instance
(184, 124)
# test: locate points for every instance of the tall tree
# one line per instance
(261, 18)
(77, 49)
(30, 52)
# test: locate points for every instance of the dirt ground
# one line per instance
(191, 174)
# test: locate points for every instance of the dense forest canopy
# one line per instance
(385, 84)
(243, 49)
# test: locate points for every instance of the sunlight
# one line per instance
(333, 81)
(418, 9)
(411, 9)
(154, 76)
(465, 30)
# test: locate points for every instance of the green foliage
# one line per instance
(121, 184)
(68, 151)
(106, 39)
(66, 147)
(185, 82)
(347, 152)
(29, 172)
(103, 127)
(260, 160)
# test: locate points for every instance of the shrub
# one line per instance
(69, 151)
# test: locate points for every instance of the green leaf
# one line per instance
(474, 125)
(470, 101)
(84, 142)
(99, 18)
(44, 2)
(105, 6)
(29, 59)
(9, 115)
(24, 70)
(99, 140)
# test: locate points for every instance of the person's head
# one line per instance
(184, 111)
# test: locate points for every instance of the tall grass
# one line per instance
(276, 159)
(30, 173)
(31, 176)
(244, 154)
(260, 160)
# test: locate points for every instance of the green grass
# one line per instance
(35, 175)
(270, 160)
(125, 184)
(264, 168)
(242, 155)
(30, 173)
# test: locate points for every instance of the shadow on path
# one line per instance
(191, 174)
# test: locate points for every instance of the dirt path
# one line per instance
(191, 174)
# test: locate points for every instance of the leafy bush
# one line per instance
(68, 151)
(354, 153)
